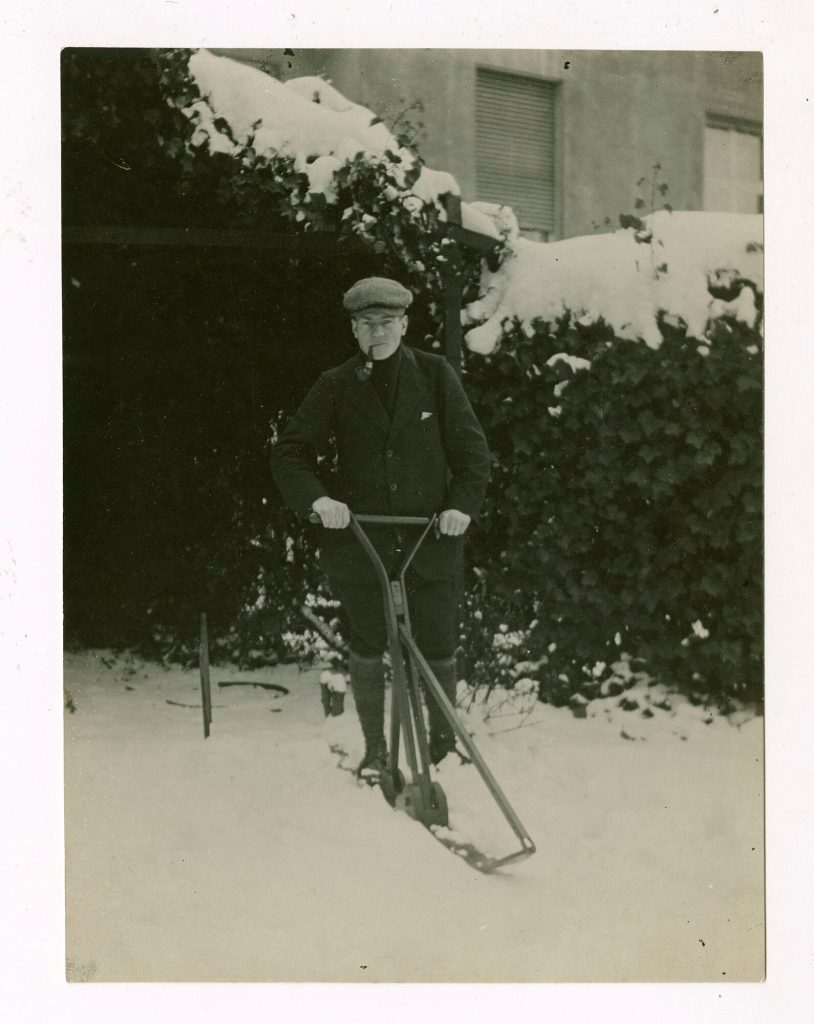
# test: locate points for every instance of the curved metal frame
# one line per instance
(409, 668)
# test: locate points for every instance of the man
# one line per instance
(408, 444)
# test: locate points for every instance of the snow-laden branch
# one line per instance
(312, 122)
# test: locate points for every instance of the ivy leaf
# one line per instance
(649, 422)
(695, 439)
(627, 220)
(639, 203)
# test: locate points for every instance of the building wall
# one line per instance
(618, 112)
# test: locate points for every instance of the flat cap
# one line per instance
(376, 291)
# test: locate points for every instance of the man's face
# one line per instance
(379, 331)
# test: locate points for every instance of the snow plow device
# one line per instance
(419, 795)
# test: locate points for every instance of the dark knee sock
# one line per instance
(367, 683)
(442, 735)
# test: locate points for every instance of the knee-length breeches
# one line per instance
(433, 607)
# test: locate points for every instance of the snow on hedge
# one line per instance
(309, 120)
(627, 282)
(303, 118)
(624, 281)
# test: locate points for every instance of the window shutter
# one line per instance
(514, 139)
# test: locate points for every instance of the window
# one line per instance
(733, 166)
(514, 140)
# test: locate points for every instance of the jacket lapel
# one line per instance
(412, 391)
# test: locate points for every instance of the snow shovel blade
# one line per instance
(474, 857)
(466, 851)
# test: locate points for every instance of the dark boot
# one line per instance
(442, 735)
(374, 762)
(367, 683)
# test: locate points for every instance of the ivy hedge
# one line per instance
(625, 512)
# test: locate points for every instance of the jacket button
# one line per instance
(394, 487)
(390, 453)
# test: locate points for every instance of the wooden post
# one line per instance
(206, 690)
(453, 286)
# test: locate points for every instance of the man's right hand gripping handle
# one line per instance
(335, 515)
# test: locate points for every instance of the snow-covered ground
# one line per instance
(250, 856)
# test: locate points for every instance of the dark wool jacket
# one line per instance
(432, 456)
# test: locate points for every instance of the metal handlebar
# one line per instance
(314, 517)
